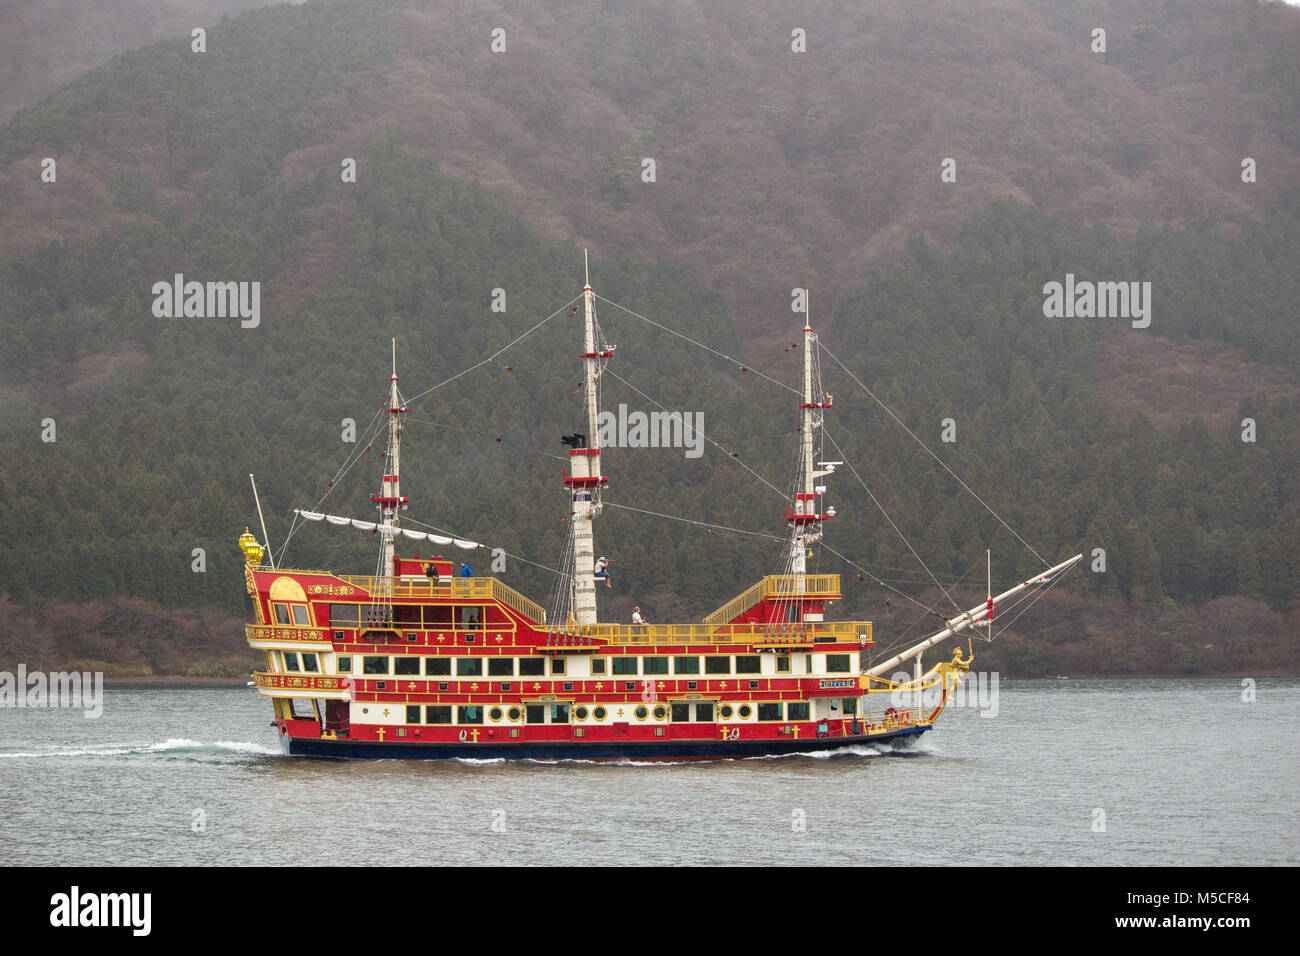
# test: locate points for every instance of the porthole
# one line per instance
(599, 713)
(745, 710)
(495, 713)
(725, 711)
(514, 713)
(660, 712)
(581, 713)
(642, 712)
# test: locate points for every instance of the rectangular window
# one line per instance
(291, 660)
(748, 664)
(783, 664)
(501, 667)
(655, 665)
(310, 664)
(769, 711)
(704, 713)
(837, 663)
(345, 615)
(300, 618)
(535, 713)
(557, 665)
(412, 713)
(472, 714)
(626, 664)
(437, 714)
(680, 713)
(281, 614)
(406, 666)
(807, 663)
(598, 665)
(345, 665)
(437, 666)
(797, 711)
(850, 705)
(717, 665)
(532, 666)
(469, 667)
(559, 713)
(470, 618)
(374, 665)
(686, 665)
(437, 615)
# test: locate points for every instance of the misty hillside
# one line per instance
(479, 171)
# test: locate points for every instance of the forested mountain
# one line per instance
(226, 166)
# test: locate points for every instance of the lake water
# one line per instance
(1185, 772)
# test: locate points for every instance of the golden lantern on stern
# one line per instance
(252, 550)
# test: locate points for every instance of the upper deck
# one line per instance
(523, 621)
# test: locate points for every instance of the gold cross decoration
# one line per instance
(474, 686)
(385, 711)
(381, 733)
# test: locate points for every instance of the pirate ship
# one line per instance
(419, 661)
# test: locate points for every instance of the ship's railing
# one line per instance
(776, 587)
(277, 632)
(303, 682)
(458, 589)
(895, 718)
(771, 634)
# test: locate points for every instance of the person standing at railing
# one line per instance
(465, 570)
(637, 619)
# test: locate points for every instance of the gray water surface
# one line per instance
(1185, 771)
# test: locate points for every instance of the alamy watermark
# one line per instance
(208, 300)
(624, 429)
(1098, 300)
(60, 689)
(978, 689)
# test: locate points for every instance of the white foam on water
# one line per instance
(170, 745)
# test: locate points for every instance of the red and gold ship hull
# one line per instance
(469, 668)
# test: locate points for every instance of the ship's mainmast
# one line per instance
(584, 479)
(389, 497)
(804, 516)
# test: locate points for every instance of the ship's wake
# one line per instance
(173, 747)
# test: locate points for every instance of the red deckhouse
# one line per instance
(417, 661)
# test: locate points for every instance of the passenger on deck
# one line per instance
(636, 615)
(465, 570)
(602, 570)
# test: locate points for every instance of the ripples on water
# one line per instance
(1185, 772)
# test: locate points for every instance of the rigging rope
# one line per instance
(909, 431)
(742, 366)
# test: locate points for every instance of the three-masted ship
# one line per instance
(420, 661)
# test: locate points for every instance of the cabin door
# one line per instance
(338, 717)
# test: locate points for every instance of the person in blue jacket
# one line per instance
(465, 571)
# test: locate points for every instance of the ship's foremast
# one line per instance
(389, 497)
